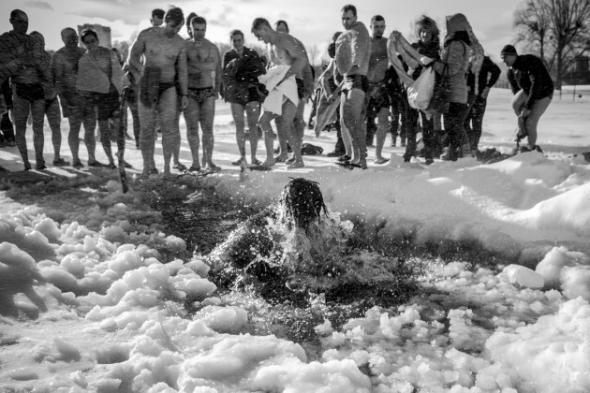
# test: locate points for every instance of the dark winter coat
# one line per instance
(488, 75)
(528, 73)
(431, 49)
(240, 74)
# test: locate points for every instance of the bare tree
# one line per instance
(558, 30)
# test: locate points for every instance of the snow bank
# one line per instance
(515, 209)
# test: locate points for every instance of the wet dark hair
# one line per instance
(190, 17)
(88, 32)
(175, 15)
(158, 12)
(377, 18)
(349, 7)
(336, 35)
(282, 22)
(198, 20)
(260, 22)
(235, 32)
(16, 12)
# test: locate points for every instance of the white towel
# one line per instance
(278, 93)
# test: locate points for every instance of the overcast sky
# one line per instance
(312, 21)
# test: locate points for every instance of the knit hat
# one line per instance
(508, 50)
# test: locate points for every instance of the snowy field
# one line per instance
(92, 308)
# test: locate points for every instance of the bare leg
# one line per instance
(53, 114)
(105, 131)
(352, 107)
(207, 117)
(285, 125)
(253, 113)
(382, 127)
(191, 117)
(264, 122)
(89, 122)
(168, 108)
(20, 112)
(147, 136)
(237, 112)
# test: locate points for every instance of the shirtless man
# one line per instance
(52, 110)
(378, 99)
(32, 83)
(353, 49)
(204, 80)
(284, 49)
(157, 19)
(165, 62)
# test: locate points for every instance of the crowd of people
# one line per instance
(362, 92)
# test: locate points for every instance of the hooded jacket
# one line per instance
(454, 61)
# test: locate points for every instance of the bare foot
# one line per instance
(268, 163)
(381, 160)
(295, 165)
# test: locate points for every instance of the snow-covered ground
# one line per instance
(99, 314)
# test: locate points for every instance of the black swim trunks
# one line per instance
(29, 92)
(200, 94)
(107, 105)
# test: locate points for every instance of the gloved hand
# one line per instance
(425, 60)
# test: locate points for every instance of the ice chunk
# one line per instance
(523, 276)
(229, 319)
(575, 281)
(23, 374)
(68, 351)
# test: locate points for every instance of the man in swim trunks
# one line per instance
(287, 50)
(204, 81)
(165, 62)
(353, 49)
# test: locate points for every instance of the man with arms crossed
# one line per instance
(353, 49)
(165, 61)
(284, 49)
(204, 80)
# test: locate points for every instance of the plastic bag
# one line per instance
(420, 92)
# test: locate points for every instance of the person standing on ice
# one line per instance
(165, 65)
(204, 81)
(241, 68)
(100, 81)
(487, 77)
(453, 65)
(288, 52)
(378, 105)
(24, 61)
(74, 106)
(533, 91)
(353, 50)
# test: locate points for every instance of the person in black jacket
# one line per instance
(241, 68)
(533, 90)
(487, 77)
